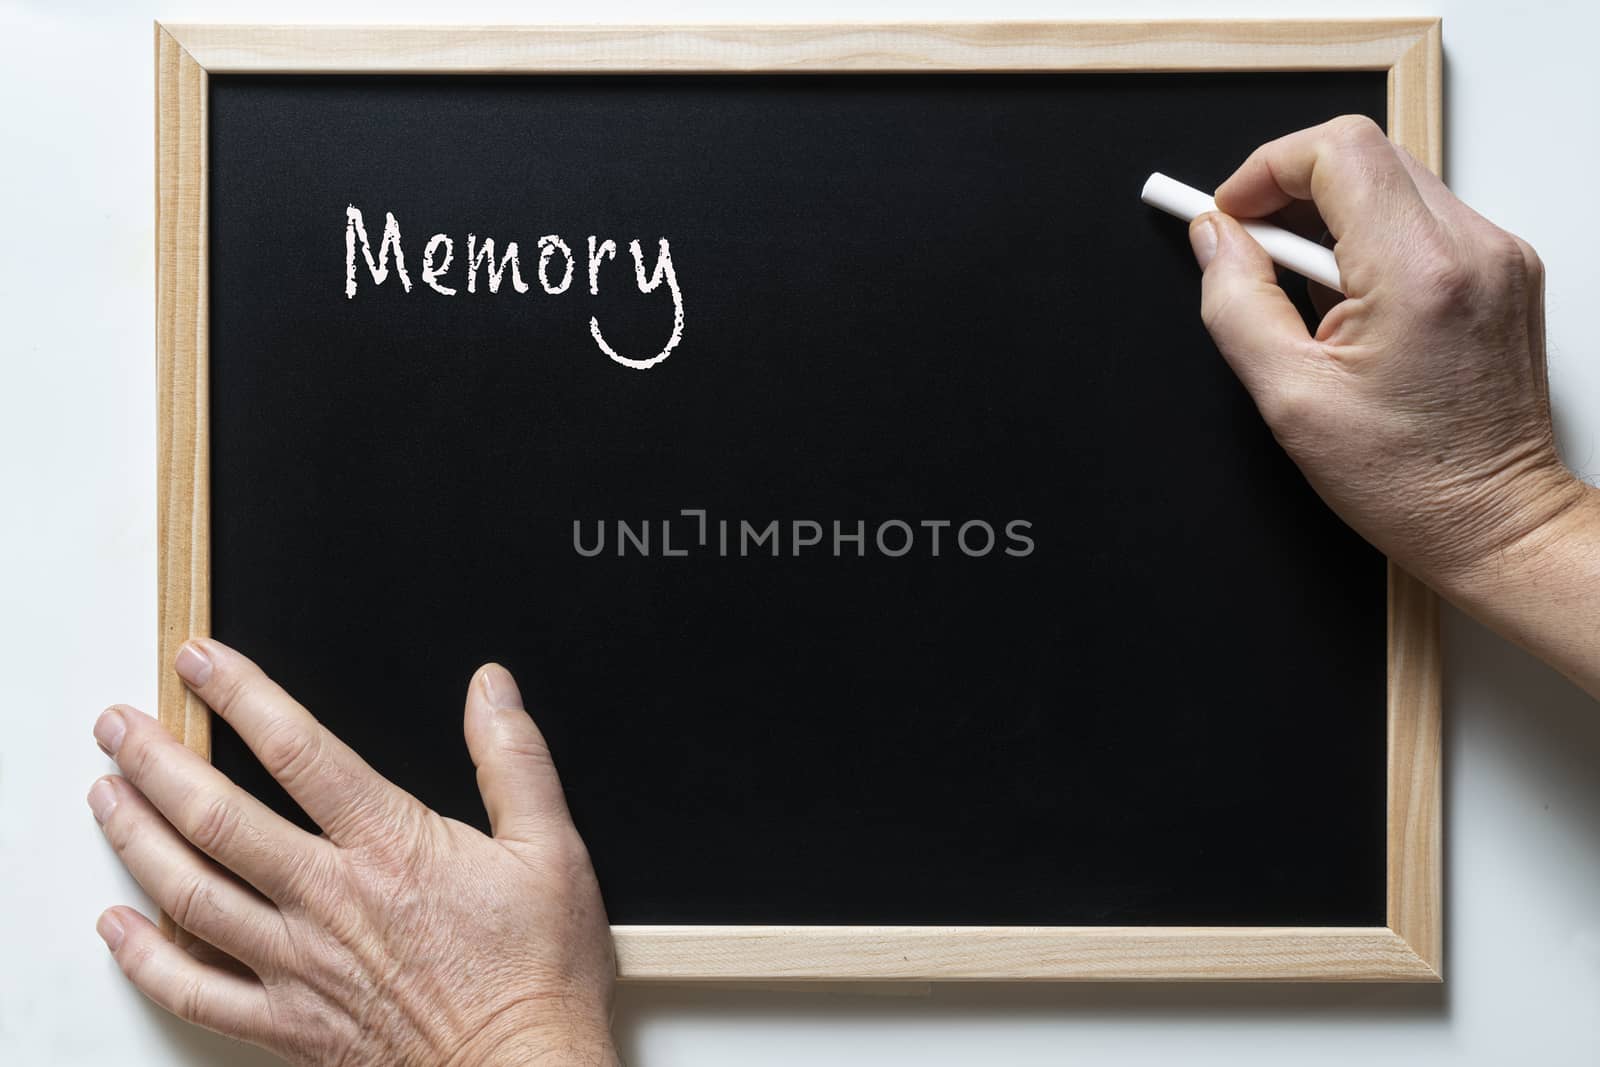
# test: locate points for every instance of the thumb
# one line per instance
(1257, 329)
(516, 776)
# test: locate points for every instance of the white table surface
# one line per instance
(77, 534)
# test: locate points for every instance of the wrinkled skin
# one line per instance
(1419, 409)
(397, 937)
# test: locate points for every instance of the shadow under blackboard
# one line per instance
(1014, 1004)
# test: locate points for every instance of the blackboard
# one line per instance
(838, 461)
(912, 300)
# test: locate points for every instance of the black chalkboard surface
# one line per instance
(1140, 679)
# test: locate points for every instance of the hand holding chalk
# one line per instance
(1288, 250)
(1422, 418)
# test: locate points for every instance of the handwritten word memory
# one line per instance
(555, 255)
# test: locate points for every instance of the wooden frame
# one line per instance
(1408, 948)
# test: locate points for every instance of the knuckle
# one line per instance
(140, 756)
(1504, 255)
(311, 881)
(1530, 259)
(1533, 259)
(192, 1000)
(569, 855)
(1214, 304)
(1443, 277)
(374, 820)
(135, 958)
(527, 746)
(192, 903)
(230, 686)
(1288, 405)
(341, 919)
(288, 751)
(211, 823)
(1355, 130)
(121, 828)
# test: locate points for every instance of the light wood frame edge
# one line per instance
(1409, 948)
(1415, 908)
(183, 476)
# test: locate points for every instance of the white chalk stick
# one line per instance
(1289, 250)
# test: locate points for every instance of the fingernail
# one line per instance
(110, 931)
(109, 730)
(102, 798)
(500, 688)
(194, 666)
(1203, 239)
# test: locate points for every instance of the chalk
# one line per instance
(1288, 250)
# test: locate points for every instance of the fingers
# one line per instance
(516, 776)
(334, 786)
(1431, 188)
(1356, 178)
(1478, 231)
(1257, 329)
(205, 995)
(1455, 213)
(200, 896)
(1303, 218)
(218, 817)
(212, 956)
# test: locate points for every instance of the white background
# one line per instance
(77, 588)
